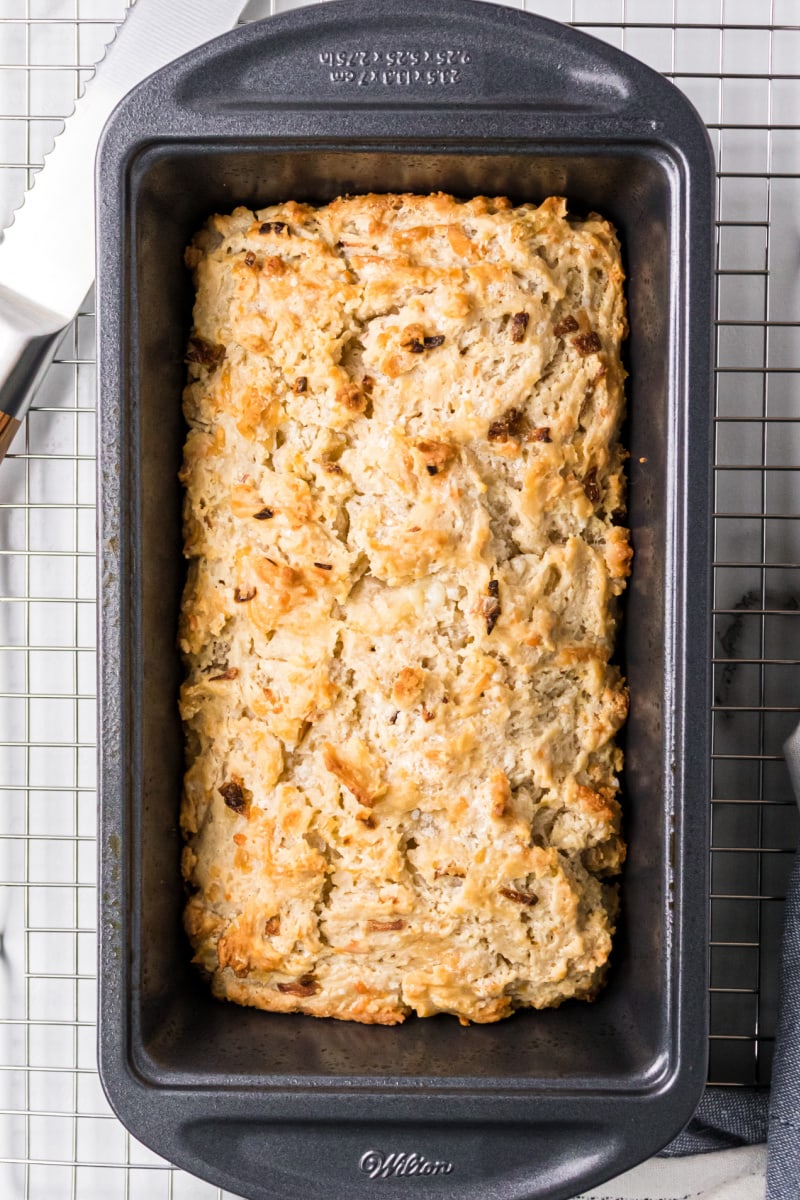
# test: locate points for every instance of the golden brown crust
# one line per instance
(404, 490)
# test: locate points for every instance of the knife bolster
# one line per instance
(29, 334)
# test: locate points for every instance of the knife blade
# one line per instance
(47, 253)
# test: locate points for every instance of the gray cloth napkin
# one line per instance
(783, 1156)
(730, 1117)
(726, 1117)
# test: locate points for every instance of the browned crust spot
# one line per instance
(587, 343)
(508, 426)
(568, 325)
(203, 352)
(590, 486)
(540, 434)
(518, 326)
(349, 775)
(305, 986)
(352, 398)
(526, 898)
(235, 795)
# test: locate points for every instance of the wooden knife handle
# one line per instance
(8, 428)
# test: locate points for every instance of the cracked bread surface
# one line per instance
(403, 501)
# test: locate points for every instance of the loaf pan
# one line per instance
(356, 96)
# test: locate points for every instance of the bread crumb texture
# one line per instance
(403, 507)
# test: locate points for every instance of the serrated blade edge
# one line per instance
(47, 253)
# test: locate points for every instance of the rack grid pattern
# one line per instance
(738, 60)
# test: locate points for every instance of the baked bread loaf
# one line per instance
(404, 490)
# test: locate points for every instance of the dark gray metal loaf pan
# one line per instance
(387, 96)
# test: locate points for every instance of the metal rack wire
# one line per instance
(738, 61)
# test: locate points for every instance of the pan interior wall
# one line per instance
(625, 1034)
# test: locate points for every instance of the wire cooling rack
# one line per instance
(738, 61)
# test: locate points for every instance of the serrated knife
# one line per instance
(47, 253)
